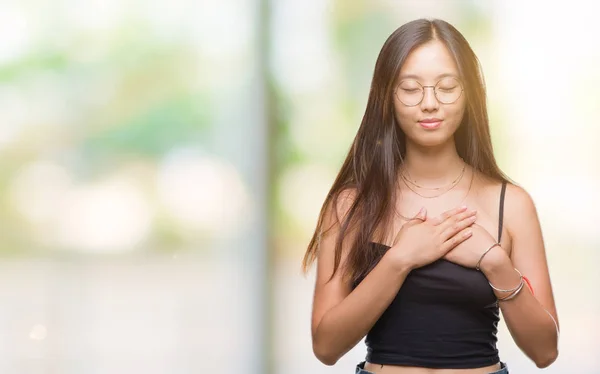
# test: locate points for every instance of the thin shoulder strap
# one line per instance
(501, 213)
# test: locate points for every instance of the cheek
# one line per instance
(405, 116)
(455, 114)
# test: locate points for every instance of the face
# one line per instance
(429, 122)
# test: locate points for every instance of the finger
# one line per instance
(458, 217)
(421, 216)
(455, 240)
(452, 227)
(447, 214)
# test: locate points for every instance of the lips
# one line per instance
(430, 123)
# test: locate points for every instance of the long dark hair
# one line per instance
(371, 166)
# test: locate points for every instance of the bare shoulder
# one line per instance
(518, 195)
(520, 210)
(519, 207)
(335, 215)
(340, 206)
(345, 200)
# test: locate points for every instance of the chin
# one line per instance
(431, 139)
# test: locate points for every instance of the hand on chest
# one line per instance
(453, 278)
(469, 252)
(485, 232)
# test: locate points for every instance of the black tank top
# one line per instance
(445, 316)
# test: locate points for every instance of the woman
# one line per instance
(422, 239)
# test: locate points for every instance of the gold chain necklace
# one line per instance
(460, 202)
(454, 184)
(460, 175)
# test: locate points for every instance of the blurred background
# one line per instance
(163, 163)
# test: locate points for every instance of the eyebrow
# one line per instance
(414, 76)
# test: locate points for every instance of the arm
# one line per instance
(341, 317)
(530, 319)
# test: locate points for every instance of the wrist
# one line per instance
(496, 261)
(397, 263)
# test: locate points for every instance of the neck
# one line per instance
(432, 165)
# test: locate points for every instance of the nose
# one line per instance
(429, 102)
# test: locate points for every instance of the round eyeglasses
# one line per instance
(447, 91)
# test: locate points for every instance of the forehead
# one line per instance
(429, 62)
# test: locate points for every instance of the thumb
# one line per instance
(421, 216)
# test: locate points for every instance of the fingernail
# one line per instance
(463, 207)
(468, 233)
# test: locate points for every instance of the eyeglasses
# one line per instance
(447, 91)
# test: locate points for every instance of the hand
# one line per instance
(470, 251)
(421, 241)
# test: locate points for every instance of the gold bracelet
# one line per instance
(485, 253)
